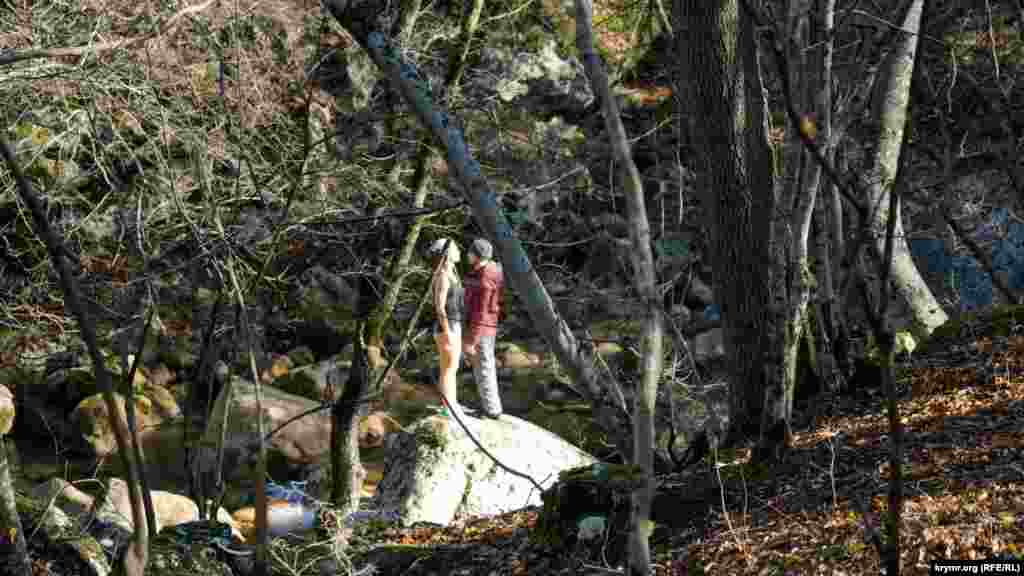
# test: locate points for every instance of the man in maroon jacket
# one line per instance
(483, 285)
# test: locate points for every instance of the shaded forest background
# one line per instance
(260, 137)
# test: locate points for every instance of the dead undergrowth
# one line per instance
(963, 409)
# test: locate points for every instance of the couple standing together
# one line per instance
(477, 301)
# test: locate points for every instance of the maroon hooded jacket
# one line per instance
(483, 299)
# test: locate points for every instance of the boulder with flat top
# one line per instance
(436, 473)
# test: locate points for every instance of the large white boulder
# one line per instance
(436, 473)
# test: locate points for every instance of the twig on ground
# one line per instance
(742, 546)
(832, 471)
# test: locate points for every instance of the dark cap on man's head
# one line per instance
(482, 248)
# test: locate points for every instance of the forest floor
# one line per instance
(962, 410)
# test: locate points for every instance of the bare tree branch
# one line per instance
(138, 553)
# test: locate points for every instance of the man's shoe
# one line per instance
(490, 416)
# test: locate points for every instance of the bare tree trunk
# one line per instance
(137, 555)
(894, 93)
(367, 22)
(892, 97)
(421, 184)
(14, 559)
(129, 394)
(738, 197)
(828, 246)
(261, 562)
(837, 300)
(380, 317)
(639, 562)
(806, 73)
(347, 472)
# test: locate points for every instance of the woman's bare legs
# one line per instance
(450, 350)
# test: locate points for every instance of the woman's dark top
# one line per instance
(454, 304)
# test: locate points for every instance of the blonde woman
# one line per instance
(446, 289)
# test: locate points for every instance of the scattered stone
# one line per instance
(302, 442)
(63, 495)
(90, 418)
(375, 427)
(170, 509)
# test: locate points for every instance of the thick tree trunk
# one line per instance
(367, 22)
(644, 283)
(893, 96)
(738, 184)
(347, 473)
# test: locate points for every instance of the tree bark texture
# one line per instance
(644, 281)
(367, 22)
(828, 247)
(800, 195)
(346, 469)
(738, 199)
(892, 99)
(14, 559)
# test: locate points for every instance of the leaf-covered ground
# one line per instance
(962, 409)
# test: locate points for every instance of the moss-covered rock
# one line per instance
(328, 298)
(581, 495)
(304, 381)
(516, 357)
(170, 554)
(574, 423)
(62, 537)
